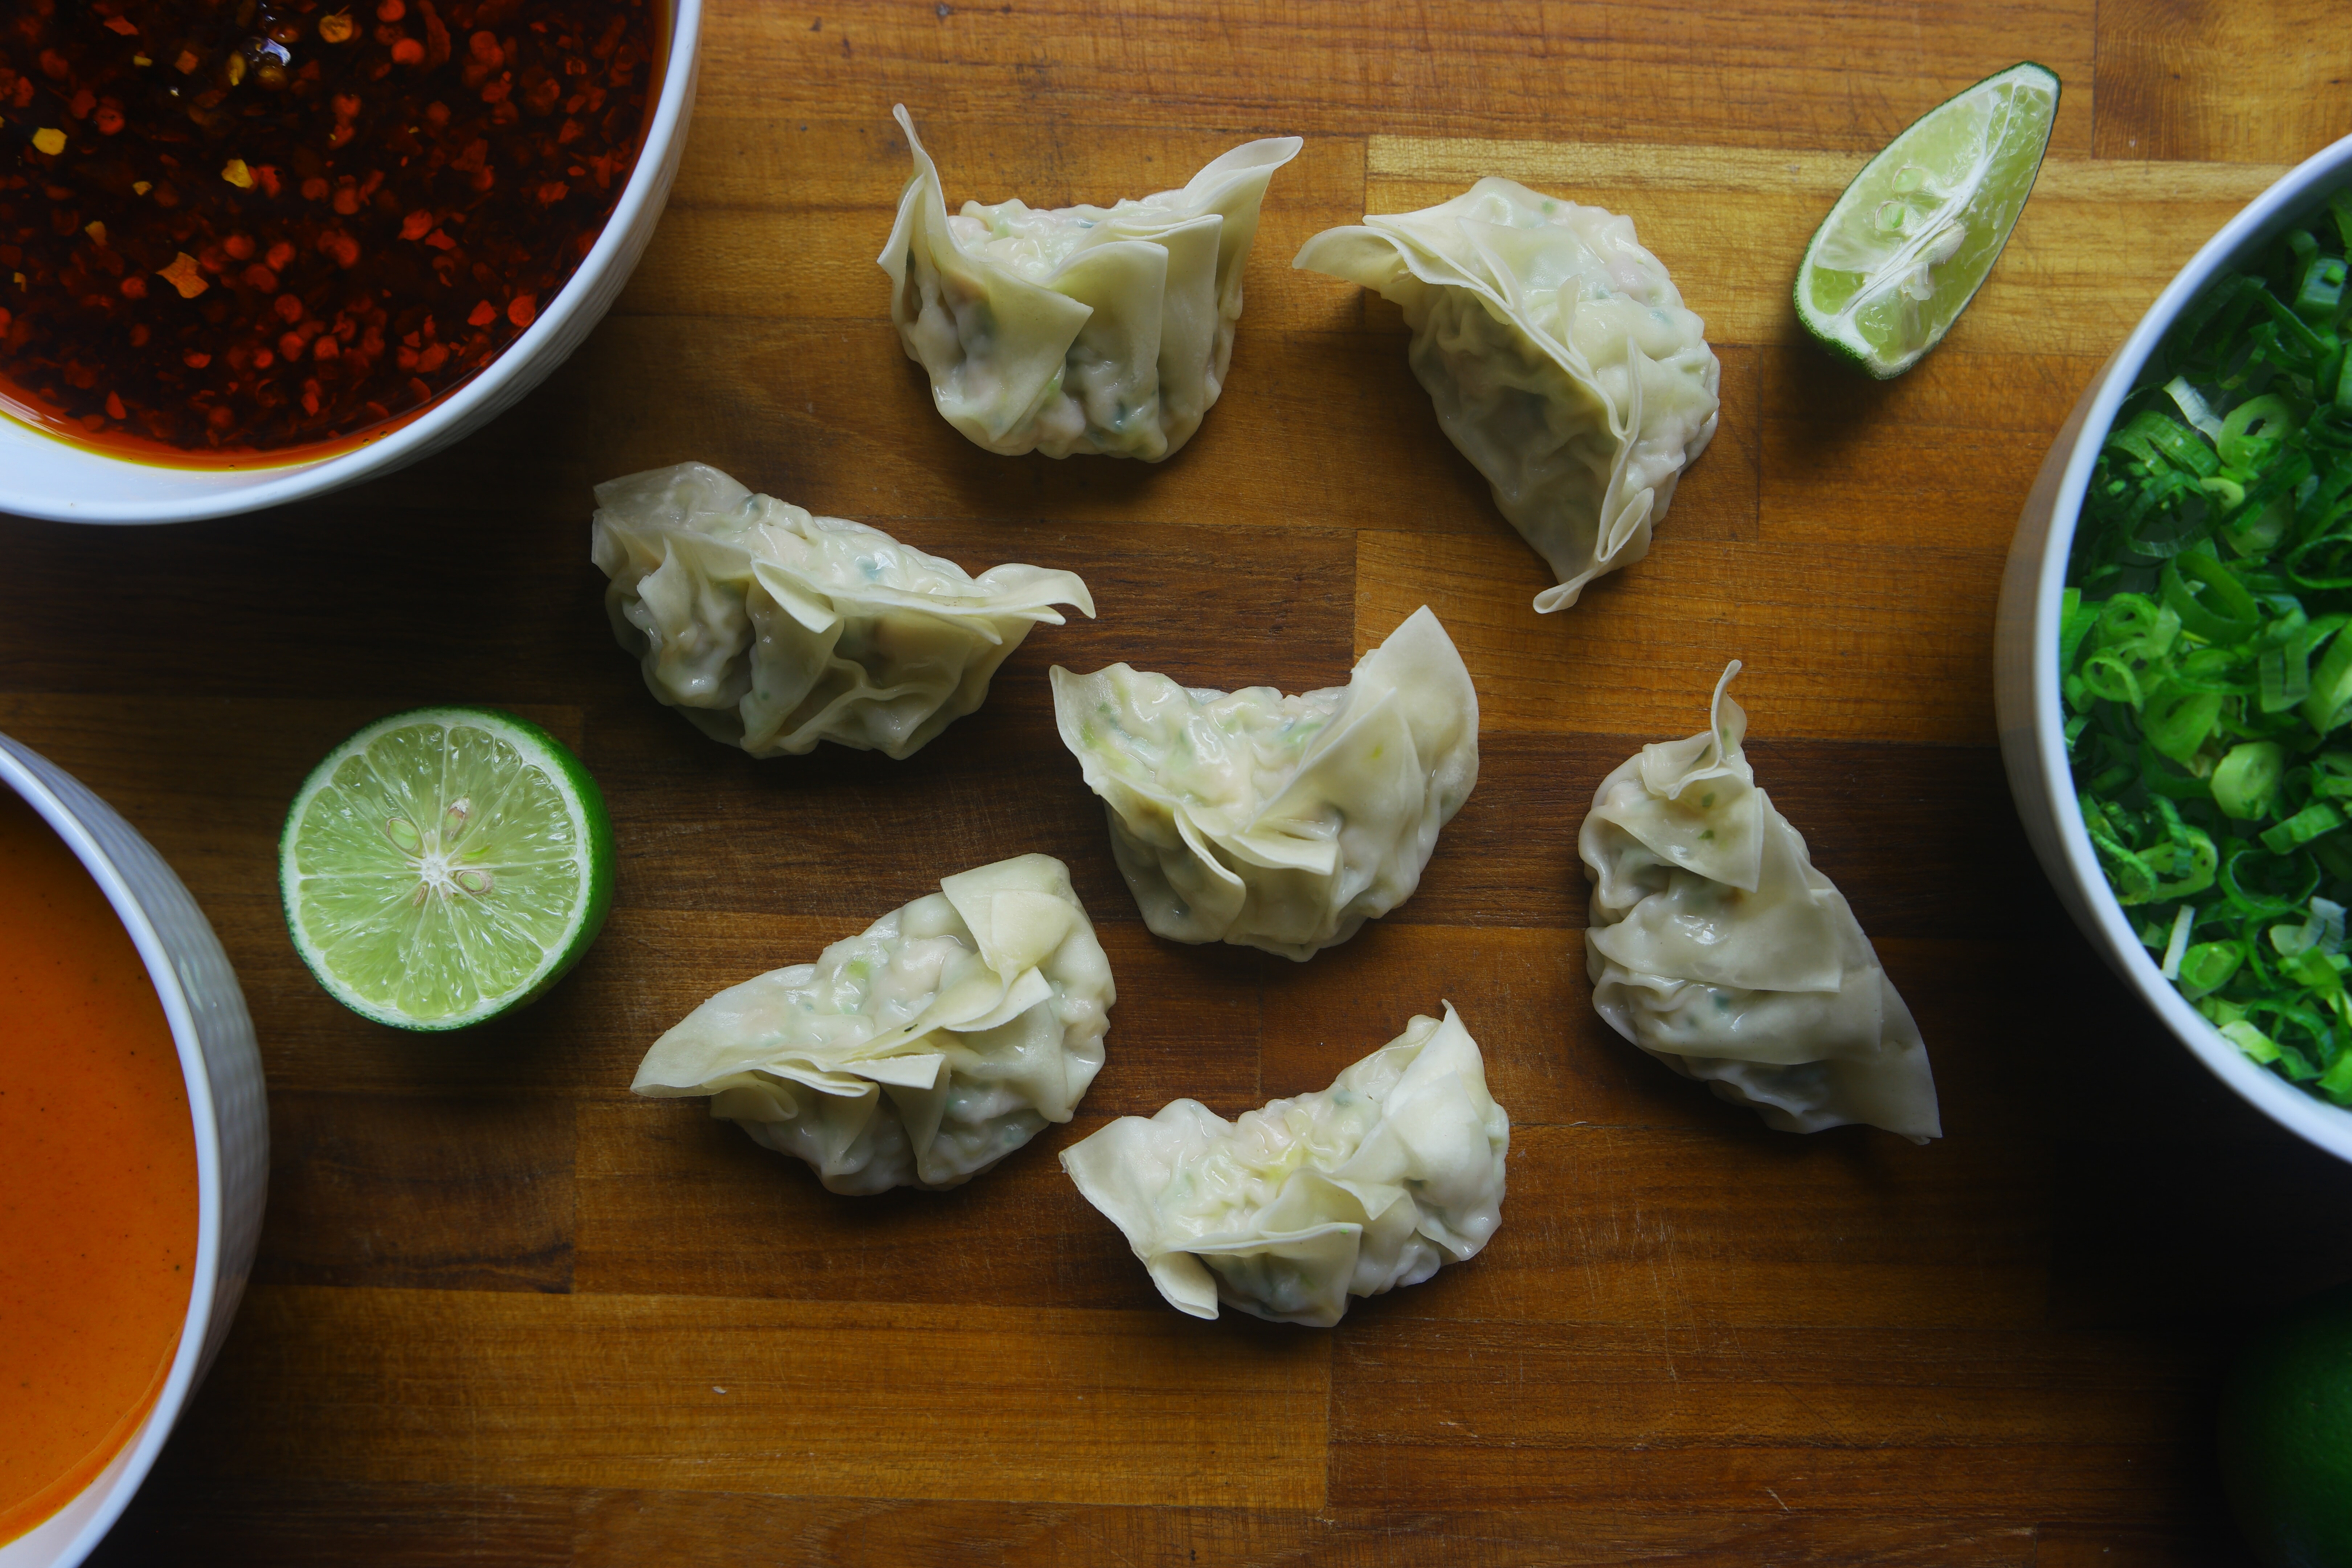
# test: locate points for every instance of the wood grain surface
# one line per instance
(505, 1313)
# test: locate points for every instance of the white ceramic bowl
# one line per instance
(222, 1071)
(2025, 660)
(43, 476)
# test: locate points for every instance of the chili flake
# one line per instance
(407, 193)
(185, 276)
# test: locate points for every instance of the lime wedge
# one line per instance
(1909, 243)
(445, 865)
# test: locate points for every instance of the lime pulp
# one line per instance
(445, 865)
(1915, 235)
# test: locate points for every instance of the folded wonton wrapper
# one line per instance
(1077, 329)
(916, 1054)
(1559, 356)
(1278, 822)
(1390, 1173)
(1714, 946)
(772, 629)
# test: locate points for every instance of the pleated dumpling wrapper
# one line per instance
(774, 630)
(919, 1052)
(1559, 356)
(1077, 329)
(1379, 1181)
(1714, 946)
(1277, 822)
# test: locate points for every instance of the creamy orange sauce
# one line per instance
(98, 1178)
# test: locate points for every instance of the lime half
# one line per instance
(1909, 243)
(445, 865)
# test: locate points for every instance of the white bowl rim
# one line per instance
(204, 1285)
(2328, 1126)
(296, 480)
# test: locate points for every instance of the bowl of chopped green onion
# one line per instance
(2173, 659)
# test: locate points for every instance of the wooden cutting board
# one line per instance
(505, 1313)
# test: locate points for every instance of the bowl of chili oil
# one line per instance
(241, 234)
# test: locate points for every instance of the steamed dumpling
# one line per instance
(1380, 1181)
(1560, 358)
(1278, 822)
(774, 630)
(1077, 329)
(1715, 945)
(919, 1053)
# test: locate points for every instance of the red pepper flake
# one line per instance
(183, 276)
(55, 66)
(115, 409)
(278, 256)
(416, 224)
(552, 192)
(314, 189)
(109, 120)
(259, 278)
(436, 36)
(289, 308)
(483, 315)
(408, 52)
(347, 197)
(346, 106)
(240, 245)
(187, 62)
(439, 240)
(266, 176)
(521, 309)
(195, 360)
(135, 287)
(122, 24)
(81, 103)
(4, 320)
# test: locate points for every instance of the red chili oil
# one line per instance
(236, 228)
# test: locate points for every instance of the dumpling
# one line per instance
(1715, 945)
(772, 629)
(1559, 356)
(1380, 1181)
(1278, 822)
(1077, 329)
(919, 1052)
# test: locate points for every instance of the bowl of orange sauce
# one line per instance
(134, 1154)
(255, 250)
